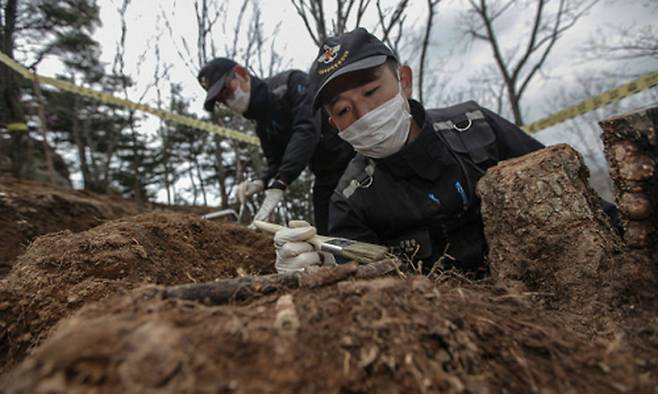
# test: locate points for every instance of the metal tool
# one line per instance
(230, 213)
(362, 252)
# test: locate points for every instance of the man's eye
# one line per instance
(370, 92)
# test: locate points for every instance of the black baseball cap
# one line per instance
(212, 77)
(345, 53)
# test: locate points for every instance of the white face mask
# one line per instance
(382, 131)
(239, 101)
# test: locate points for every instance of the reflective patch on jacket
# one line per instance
(362, 181)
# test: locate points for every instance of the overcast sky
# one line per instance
(450, 52)
(452, 58)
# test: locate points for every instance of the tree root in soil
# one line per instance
(241, 289)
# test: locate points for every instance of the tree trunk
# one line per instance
(92, 147)
(631, 147)
(43, 127)
(82, 151)
(221, 173)
(21, 159)
(199, 174)
(190, 172)
(167, 172)
(239, 165)
(136, 164)
(545, 228)
(116, 130)
(425, 45)
(515, 105)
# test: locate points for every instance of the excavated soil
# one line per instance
(377, 336)
(29, 209)
(81, 312)
(62, 271)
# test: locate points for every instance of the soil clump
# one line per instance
(379, 336)
(60, 272)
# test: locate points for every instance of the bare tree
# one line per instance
(320, 23)
(431, 10)
(119, 69)
(9, 89)
(392, 27)
(518, 67)
(312, 13)
(160, 73)
(632, 44)
(43, 127)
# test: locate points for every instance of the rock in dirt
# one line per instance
(376, 336)
(61, 272)
(545, 229)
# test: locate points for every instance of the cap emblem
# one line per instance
(329, 54)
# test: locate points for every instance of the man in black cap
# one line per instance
(290, 135)
(412, 184)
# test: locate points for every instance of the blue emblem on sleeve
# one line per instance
(434, 198)
(462, 193)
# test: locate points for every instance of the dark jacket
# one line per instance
(291, 135)
(424, 194)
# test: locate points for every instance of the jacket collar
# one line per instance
(260, 101)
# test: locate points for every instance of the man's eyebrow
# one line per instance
(368, 77)
(333, 100)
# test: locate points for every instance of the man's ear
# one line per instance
(332, 123)
(406, 80)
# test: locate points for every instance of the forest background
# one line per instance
(522, 59)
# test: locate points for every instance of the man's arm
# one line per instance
(345, 222)
(272, 164)
(304, 137)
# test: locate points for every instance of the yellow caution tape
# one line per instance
(110, 99)
(645, 82)
(17, 126)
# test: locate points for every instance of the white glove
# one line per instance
(272, 197)
(296, 250)
(249, 188)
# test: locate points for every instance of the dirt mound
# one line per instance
(383, 335)
(29, 209)
(62, 271)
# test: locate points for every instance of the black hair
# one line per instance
(393, 64)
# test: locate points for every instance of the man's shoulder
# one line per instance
(456, 110)
(290, 81)
(286, 75)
